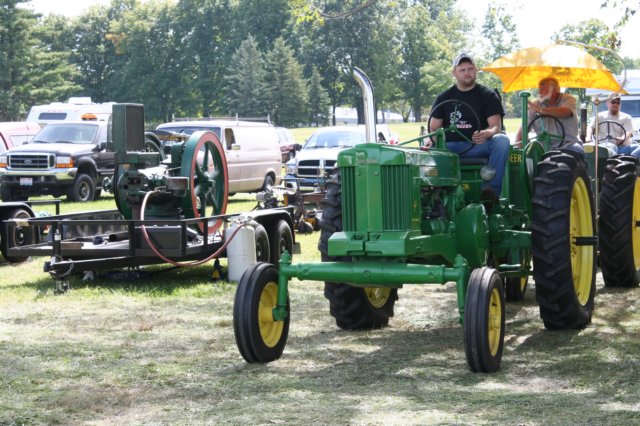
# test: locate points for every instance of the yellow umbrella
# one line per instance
(571, 66)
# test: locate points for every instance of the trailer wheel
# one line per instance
(563, 242)
(618, 223)
(354, 308)
(258, 336)
(281, 239)
(263, 252)
(83, 189)
(484, 313)
(19, 236)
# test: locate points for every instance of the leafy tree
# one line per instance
(594, 32)
(499, 31)
(152, 72)
(95, 55)
(319, 101)
(287, 88)
(203, 26)
(246, 88)
(427, 49)
(17, 45)
(265, 20)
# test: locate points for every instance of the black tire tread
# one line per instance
(616, 222)
(551, 245)
(347, 304)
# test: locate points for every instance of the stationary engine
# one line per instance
(192, 183)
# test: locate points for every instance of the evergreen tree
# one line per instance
(246, 88)
(287, 88)
(319, 102)
(17, 46)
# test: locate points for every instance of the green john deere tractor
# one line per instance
(396, 215)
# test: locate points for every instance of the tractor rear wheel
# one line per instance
(618, 223)
(259, 337)
(354, 308)
(563, 242)
(484, 311)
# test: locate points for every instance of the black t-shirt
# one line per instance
(484, 101)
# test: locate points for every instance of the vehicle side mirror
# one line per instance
(297, 147)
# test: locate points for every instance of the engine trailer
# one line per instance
(169, 211)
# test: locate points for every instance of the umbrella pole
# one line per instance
(596, 102)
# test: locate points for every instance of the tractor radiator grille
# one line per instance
(348, 199)
(395, 197)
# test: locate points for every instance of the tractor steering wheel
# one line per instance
(453, 126)
(544, 132)
(609, 137)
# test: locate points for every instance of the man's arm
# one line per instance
(435, 124)
(495, 126)
(566, 108)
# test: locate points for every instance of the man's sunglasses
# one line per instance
(615, 102)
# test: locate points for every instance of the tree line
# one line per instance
(289, 59)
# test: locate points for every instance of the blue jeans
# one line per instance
(496, 149)
(629, 150)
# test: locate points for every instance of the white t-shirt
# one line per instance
(605, 129)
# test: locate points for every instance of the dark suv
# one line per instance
(68, 158)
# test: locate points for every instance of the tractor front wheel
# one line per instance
(354, 308)
(618, 220)
(563, 241)
(484, 321)
(259, 337)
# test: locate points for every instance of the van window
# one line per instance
(20, 139)
(52, 116)
(229, 138)
(630, 106)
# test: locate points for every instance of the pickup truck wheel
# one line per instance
(9, 194)
(83, 189)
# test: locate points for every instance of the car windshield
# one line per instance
(77, 133)
(189, 130)
(334, 139)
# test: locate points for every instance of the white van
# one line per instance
(75, 109)
(252, 149)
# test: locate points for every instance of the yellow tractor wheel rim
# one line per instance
(635, 229)
(377, 296)
(270, 330)
(494, 323)
(581, 225)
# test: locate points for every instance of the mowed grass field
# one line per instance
(160, 350)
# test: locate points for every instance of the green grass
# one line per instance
(161, 350)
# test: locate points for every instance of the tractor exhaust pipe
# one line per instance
(369, 107)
